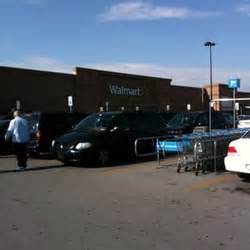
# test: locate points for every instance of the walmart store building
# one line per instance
(93, 89)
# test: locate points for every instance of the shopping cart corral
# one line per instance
(149, 146)
(199, 151)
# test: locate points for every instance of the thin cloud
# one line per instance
(244, 9)
(184, 76)
(32, 1)
(41, 63)
(141, 10)
(27, 2)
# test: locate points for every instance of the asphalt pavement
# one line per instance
(136, 206)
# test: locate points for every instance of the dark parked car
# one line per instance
(6, 117)
(167, 116)
(187, 122)
(4, 146)
(102, 137)
(45, 127)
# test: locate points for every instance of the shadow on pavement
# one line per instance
(32, 169)
(113, 163)
(116, 163)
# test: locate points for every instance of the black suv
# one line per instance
(102, 137)
(187, 122)
(167, 116)
(45, 127)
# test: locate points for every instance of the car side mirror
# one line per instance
(114, 129)
(128, 130)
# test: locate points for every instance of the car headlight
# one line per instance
(83, 145)
(53, 143)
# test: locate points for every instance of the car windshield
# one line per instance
(95, 121)
(183, 120)
(247, 134)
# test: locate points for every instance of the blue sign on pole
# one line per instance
(234, 83)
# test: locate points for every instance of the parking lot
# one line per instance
(135, 206)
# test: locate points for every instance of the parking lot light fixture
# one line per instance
(210, 45)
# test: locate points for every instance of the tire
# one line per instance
(103, 157)
(244, 176)
(66, 163)
(33, 155)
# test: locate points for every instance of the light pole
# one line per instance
(210, 45)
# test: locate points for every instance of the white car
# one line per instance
(244, 121)
(238, 156)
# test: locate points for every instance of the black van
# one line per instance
(45, 127)
(102, 137)
(188, 122)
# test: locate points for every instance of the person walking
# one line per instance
(18, 133)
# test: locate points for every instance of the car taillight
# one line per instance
(231, 150)
(38, 135)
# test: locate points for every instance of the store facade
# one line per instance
(94, 90)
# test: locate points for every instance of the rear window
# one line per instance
(183, 120)
(149, 121)
(244, 117)
(228, 118)
(33, 120)
(6, 117)
(53, 121)
(168, 116)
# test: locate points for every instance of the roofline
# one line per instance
(35, 70)
(189, 87)
(123, 74)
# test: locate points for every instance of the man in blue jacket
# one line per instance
(18, 133)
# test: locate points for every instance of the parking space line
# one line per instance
(211, 182)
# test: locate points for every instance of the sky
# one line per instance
(147, 37)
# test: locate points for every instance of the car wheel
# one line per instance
(244, 176)
(103, 157)
(33, 155)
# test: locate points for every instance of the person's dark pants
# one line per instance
(21, 154)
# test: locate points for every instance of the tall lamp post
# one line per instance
(210, 45)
